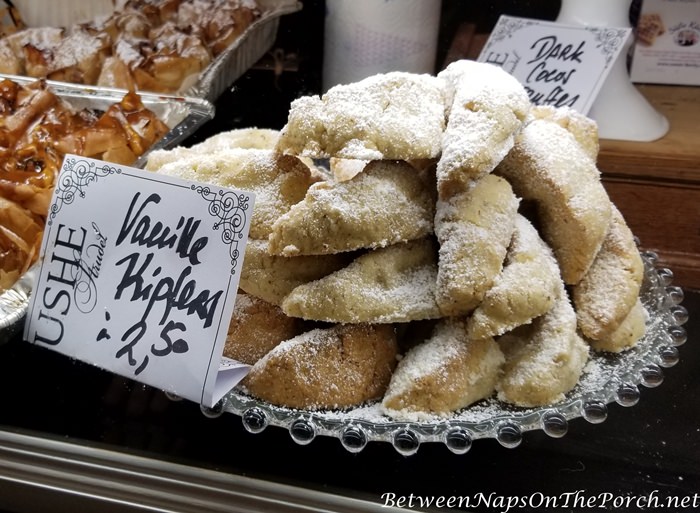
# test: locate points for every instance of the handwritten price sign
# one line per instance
(139, 276)
(559, 65)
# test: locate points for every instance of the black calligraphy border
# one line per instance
(230, 209)
(608, 39)
(507, 25)
(75, 176)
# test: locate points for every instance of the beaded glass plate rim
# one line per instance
(640, 365)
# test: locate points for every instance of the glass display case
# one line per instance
(74, 437)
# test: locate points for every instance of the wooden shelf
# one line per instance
(656, 185)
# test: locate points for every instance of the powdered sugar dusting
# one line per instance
(546, 361)
(426, 358)
(601, 376)
(387, 203)
(277, 185)
(76, 49)
(548, 166)
(610, 289)
(391, 116)
(486, 108)
(526, 287)
(393, 284)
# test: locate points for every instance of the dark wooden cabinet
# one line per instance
(656, 185)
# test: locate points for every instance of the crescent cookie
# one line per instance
(583, 128)
(277, 181)
(256, 328)
(487, 107)
(387, 203)
(248, 138)
(543, 360)
(337, 367)
(272, 277)
(526, 287)
(447, 372)
(548, 166)
(474, 229)
(396, 115)
(392, 284)
(629, 332)
(610, 289)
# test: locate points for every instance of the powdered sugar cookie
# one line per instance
(610, 289)
(387, 203)
(395, 115)
(629, 331)
(544, 360)
(278, 182)
(549, 166)
(273, 277)
(337, 367)
(474, 229)
(526, 287)
(392, 284)
(486, 108)
(583, 128)
(256, 328)
(247, 138)
(443, 374)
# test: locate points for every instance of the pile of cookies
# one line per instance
(457, 245)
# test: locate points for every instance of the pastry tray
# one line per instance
(13, 305)
(221, 72)
(233, 62)
(607, 378)
(183, 115)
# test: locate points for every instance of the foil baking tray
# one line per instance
(13, 305)
(183, 115)
(244, 52)
(221, 72)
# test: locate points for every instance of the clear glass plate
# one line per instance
(607, 378)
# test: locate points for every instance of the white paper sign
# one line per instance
(559, 65)
(139, 276)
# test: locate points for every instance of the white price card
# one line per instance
(559, 65)
(139, 273)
